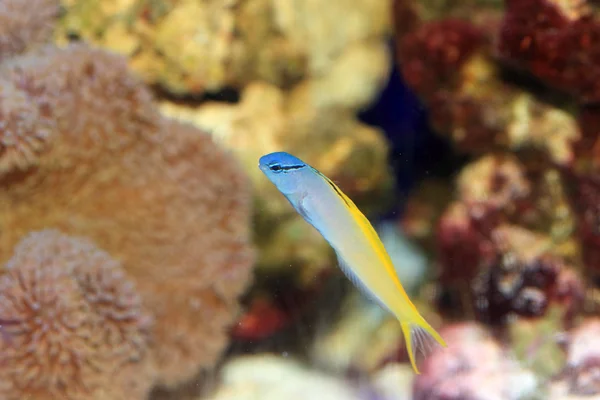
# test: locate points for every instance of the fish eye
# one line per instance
(275, 167)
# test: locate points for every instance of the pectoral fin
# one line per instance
(297, 201)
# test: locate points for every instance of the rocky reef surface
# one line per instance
(261, 76)
(126, 235)
(146, 257)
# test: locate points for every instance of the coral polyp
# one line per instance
(84, 149)
(72, 324)
(25, 129)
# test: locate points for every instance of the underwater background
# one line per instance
(147, 257)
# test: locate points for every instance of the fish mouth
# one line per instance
(263, 167)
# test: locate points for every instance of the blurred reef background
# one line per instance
(147, 258)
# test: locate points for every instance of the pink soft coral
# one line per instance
(159, 195)
(72, 324)
(25, 24)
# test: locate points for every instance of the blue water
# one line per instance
(416, 151)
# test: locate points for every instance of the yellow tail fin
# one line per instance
(420, 336)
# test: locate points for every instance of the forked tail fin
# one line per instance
(420, 336)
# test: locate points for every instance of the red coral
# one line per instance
(431, 58)
(584, 181)
(587, 148)
(586, 203)
(462, 246)
(509, 285)
(481, 241)
(513, 285)
(431, 55)
(525, 30)
(261, 321)
(406, 16)
(559, 45)
(449, 109)
(491, 190)
(269, 315)
(503, 263)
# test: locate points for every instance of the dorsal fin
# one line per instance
(371, 236)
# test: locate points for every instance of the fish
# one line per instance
(360, 253)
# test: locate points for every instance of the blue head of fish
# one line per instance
(283, 169)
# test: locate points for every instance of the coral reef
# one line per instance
(300, 85)
(538, 343)
(508, 240)
(516, 248)
(585, 202)
(271, 377)
(343, 345)
(278, 304)
(556, 42)
(329, 138)
(393, 382)
(471, 359)
(558, 47)
(342, 348)
(514, 283)
(21, 29)
(85, 150)
(188, 46)
(72, 324)
(450, 62)
(260, 76)
(580, 378)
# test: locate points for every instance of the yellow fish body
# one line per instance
(359, 250)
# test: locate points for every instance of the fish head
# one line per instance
(284, 170)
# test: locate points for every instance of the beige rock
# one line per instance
(309, 24)
(195, 46)
(394, 382)
(197, 40)
(339, 86)
(476, 182)
(344, 345)
(537, 125)
(269, 377)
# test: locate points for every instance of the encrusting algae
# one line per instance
(84, 149)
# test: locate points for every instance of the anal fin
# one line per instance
(356, 281)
